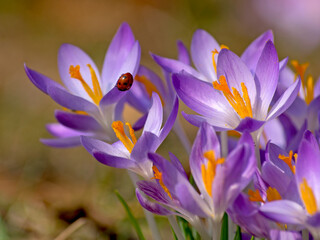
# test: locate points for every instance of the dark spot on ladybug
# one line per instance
(125, 81)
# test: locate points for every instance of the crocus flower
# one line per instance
(239, 100)
(204, 49)
(93, 99)
(131, 153)
(307, 213)
(219, 180)
(306, 106)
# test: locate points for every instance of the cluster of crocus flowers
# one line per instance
(270, 191)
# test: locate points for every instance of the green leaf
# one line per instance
(132, 219)
(224, 227)
(252, 238)
(238, 235)
(186, 229)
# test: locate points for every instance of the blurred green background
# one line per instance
(43, 190)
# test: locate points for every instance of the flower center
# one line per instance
(149, 86)
(308, 197)
(307, 84)
(288, 160)
(95, 94)
(241, 104)
(158, 176)
(209, 172)
(272, 195)
(117, 127)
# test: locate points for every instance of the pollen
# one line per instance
(288, 160)
(95, 94)
(117, 127)
(149, 86)
(158, 176)
(209, 172)
(308, 197)
(241, 104)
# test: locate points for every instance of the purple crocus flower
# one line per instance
(93, 99)
(219, 180)
(204, 49)
(131, 153)
(223, 105)
(307, 169)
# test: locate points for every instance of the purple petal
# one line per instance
(155, 191)
(253, 52)
(91, 144)
(236, 72)
(40, 81)
(175, 161)
(285, 100)
(170, 121)
(316, 90)
(266, 77)
(155, 115)
(249, 124)
(201, 96)
(152, 207)
(140, 123)
(183, 53)
(284, 235)
(308, 163)
(119, 49)
(78, 122)
(113, 161)
(314, 220)
(175, 66)
(202, 46)
(71, 55)
(312, 114)
(113, 96)
(62, 142)
(148, 142)
(196, 120)
(284, 211)
(190, 200)
(70, 101)
(60, 131)
(130, 64)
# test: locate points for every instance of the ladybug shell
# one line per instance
(125, 81)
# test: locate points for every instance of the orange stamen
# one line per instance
(308, 197)
(254, 196)
(158, 176)
(288, 160)
(149, 86)
(209, 172)
(242, 105)
(117, 127)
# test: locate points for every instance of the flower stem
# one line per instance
(175, 227)
(149, 216)
(224, 143)
(216, 230)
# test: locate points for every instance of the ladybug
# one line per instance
(125, 81)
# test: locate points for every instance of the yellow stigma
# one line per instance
(242, 105)
(214, 52)
(158, 176)
(288, 160)
(209, 172)
(96, 95)
(307, 84)
(149, 86)
(273, 194)
(117, 127)
(254, 196)
(308, 197)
